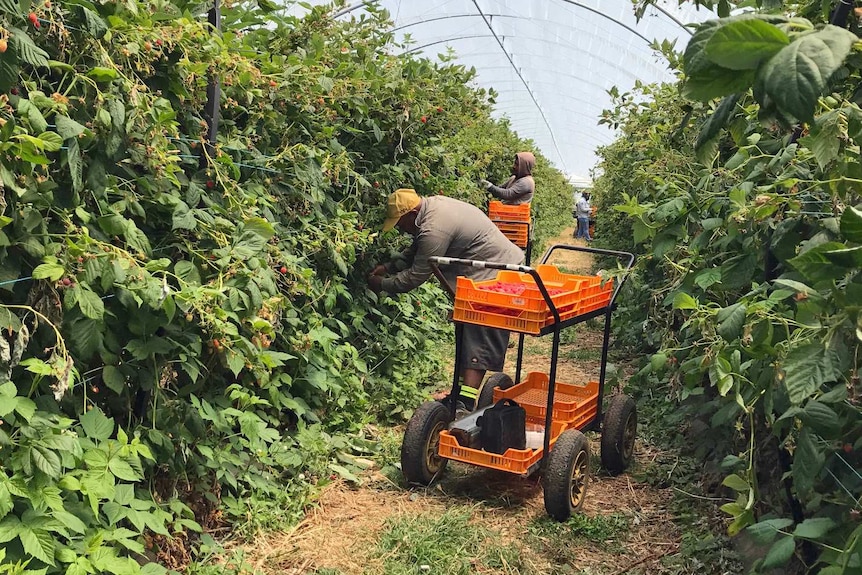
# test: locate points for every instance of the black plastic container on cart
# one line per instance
(503, 426)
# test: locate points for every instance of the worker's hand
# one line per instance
(379, 270)
(375, 283)
(485, 184)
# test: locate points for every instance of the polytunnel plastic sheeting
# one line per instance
(551, 62)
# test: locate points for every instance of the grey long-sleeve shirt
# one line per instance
(450, 227)
(520, 191)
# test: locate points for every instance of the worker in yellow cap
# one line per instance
(446, 227)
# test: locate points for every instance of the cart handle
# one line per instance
(619, 255)
(445, 261)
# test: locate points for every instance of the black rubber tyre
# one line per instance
(486, 395)
(619, 431)
(566, 475)
(419, 460)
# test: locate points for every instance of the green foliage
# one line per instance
(750, 269)
(599, 529)
(188, 339)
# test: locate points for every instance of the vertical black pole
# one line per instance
(211, 111)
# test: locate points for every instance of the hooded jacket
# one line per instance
(518, 189)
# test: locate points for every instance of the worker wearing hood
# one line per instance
(520, 187)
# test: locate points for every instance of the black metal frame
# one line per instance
(555, 328)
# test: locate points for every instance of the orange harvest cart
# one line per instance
(537, 302)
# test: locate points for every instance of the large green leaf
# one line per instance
(67, 127)
(824, 138)
(8, 70)
(38, 543)
(744, 44)
(765, 531)
(807, 367)
(50, 271)
(851, 224)
(731, 319)
(93, 23)
(46, 461)
(821, 418)
(96, 425)
(26, 50)
(816, 266)
(76, 164)
(695, 59)
(795, 77)
(10, 7)
(814, 527)
(91, 304)
(716, 83)
(780, 553)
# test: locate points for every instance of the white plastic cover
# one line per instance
(551, 61)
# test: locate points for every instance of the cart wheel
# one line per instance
(565, 479)
(420, 462)
(486, 396)
(619, 429)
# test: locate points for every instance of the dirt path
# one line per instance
(380, 527)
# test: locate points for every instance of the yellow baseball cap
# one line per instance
(399, 203)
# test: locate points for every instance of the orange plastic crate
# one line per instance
(574, 407)
(527, 312)
(517, 461)
(501, 211)
(518, 234)
(513, 320)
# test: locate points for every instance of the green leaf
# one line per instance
(816, 266)
(101, 74)
(821, 418)
(67, 127)
(76, 164)
(707, 278)
(795, 77)
(51, 142)
(93, 23)
(46, 461)
(122, 470)
(10, 7)
(736, 483)
(808, 460)
(52, 272)
(814, 528)
(97, 425)
(721, 375)
(744, 44)
(26, 50)
(717, 83)
(716, 121)
(10, 527)
(684, 301)
(780, 553)
(38, 543)
(765, 531)
(91, 304)
(114, 379)
(731, 319)
(805, 368)
(824, 138)
(851, 224)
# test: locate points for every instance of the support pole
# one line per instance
(211, 111)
